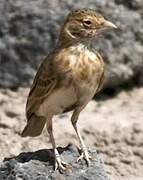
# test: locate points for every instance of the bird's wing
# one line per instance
(43, 84)
(102, 78)
(101, 83)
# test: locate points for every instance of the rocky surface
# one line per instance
(112, 126)
(39, 165)
(29, 29)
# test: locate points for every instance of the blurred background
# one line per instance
(112, 122)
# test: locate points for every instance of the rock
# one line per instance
(39, 166)
(29, 29)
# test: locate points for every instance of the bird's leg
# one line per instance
(59, 164)
(84, 153)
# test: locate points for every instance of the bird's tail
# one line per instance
(34, 126)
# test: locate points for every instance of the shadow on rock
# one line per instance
(43, 155)
(39, 165)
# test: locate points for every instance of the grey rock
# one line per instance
(29, 30)
(39, 166)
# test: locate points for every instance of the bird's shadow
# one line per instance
(43, 155)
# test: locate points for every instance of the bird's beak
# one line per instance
(108, 24)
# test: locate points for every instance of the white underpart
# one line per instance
(92, 56)
(82, 49)
(58, 101)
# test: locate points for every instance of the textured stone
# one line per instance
(39, 166)
(29, 29)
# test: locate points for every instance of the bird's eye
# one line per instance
(87, 23)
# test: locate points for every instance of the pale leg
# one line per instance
(85, 153)
(59, 164)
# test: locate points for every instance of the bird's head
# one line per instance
(85, 24)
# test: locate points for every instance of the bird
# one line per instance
(68, 78)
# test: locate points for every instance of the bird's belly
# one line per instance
(58, 101)
(86, 93)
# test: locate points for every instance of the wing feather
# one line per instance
(43, 84)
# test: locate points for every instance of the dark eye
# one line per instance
(87, 22)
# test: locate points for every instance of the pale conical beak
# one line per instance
(108, 24)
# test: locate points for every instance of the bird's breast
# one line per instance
(87, 70)
(84, 64)
(82, 68)
(87, 67)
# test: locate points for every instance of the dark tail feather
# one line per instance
(34, 126)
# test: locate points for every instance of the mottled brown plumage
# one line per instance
(68, 78)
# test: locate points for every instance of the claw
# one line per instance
(61, 165)
(85, 155)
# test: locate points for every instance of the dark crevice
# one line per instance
(111, 92)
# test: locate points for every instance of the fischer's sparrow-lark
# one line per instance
(68, 78)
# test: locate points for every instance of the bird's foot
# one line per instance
(61, 165)
(85, 155)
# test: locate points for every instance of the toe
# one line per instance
(64, 163)
(86, 157)
(80, 157)
(61, 166)
(56, 166)
(87, 161)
